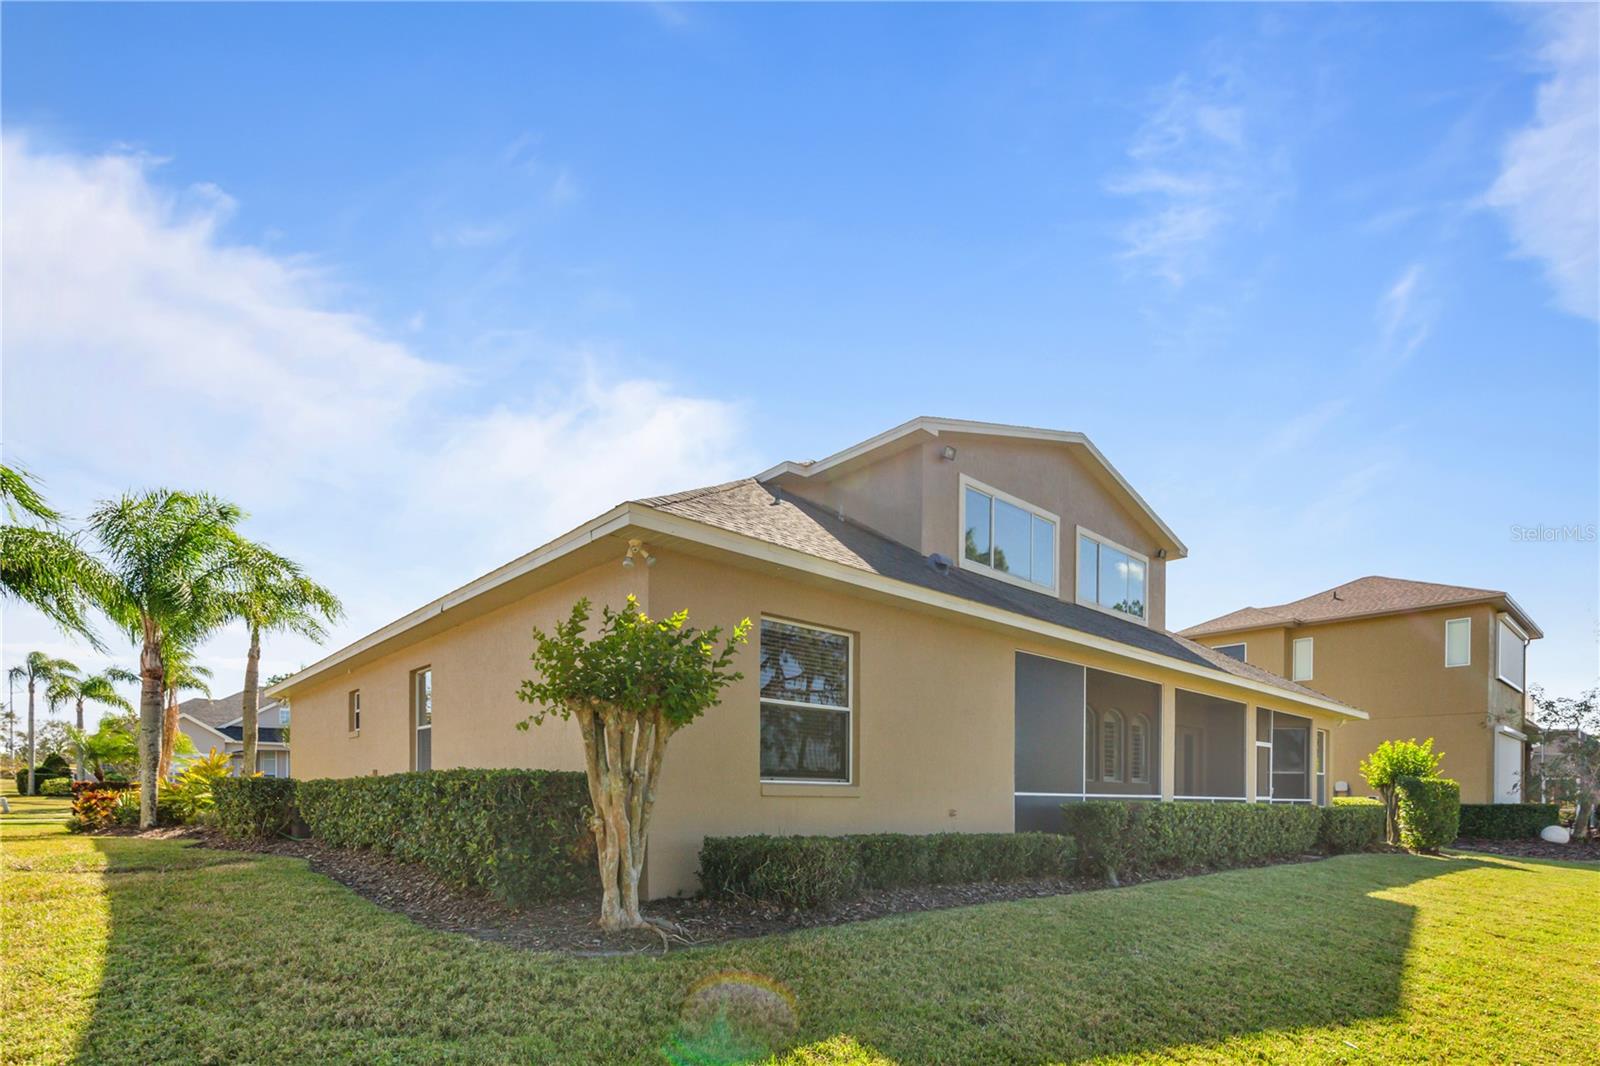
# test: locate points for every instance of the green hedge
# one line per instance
(250, 807)
(1351, 827)
(1356, 801)
(1429, 811)
(521, 834)
(816, 871)
(56, 786)
(1118, 838)
(1506, 821)
(40, 776)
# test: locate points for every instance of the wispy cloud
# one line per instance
(1193, 171)
(1551, 168)
(1405, 318)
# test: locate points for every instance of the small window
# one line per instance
(422, 718)
(805, 677)
(355, 711)
(1511, 651)
(1007, 537)
(283, 715)
(1111, 576)
(1139, 750)
(1302, 659)
(1111, 746)
(267, 763)
(1458, 642)
(1232, 651)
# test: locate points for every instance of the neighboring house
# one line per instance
(219, 724)
(1423, 660)
(959, 626)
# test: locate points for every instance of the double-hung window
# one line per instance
(1006, 537)
(1458, 642)
(1111, 576)
(806, 699)
(1303, 648)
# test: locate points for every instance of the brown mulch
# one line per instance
(1534, 848)
(568, 925)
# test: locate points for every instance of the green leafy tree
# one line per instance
(180, 673)
(1568, 729)
(630, 688)
(93, 688)
(1393, 760)
(272, 595)
(41, 565)
(39, 670)
(170, 557)
(112, 748)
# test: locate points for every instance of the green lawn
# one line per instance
(145, 951)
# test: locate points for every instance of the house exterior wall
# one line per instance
(933, 705)
(1392, 667)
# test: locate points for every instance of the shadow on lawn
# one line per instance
(191, 972)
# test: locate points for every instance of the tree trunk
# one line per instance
(249, 709)
(31, 786)
(152, 675)
(79, 776)
(169, 733)
(1391, 815)
(624, 762)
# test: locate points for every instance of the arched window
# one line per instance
(1139, 749)
(1111, 746)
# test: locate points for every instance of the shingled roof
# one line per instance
(753, 509)
(218, 713)
(1361, 598)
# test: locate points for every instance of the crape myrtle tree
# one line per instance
(1393, 760)
(630, 688)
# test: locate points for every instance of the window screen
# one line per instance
(805, 703)
(1509, 656)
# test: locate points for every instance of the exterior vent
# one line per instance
(940, 563)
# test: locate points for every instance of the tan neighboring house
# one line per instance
(1423, 660)
(219, 724)
(960, 627)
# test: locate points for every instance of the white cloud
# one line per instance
(1549, 183)
(143, 347)
(1405, 318)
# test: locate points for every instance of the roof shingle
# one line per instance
(1356, 599)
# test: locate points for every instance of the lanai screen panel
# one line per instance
(1124, 735)
(1049, 736)
(1210, 747)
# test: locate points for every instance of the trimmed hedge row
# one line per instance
(1351, 827)
(1121, 838)
(1429, 812)
(816, 871)
(1506, 821)
(521, 834)
(40, 776)
(251, 807)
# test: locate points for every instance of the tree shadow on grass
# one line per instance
(262, 959)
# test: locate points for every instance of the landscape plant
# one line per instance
(38, 669)
(40, 564)
(1569, 731)
(1384, 768)
(630, 687)
(192, 792)
(96, 688)
(180, 672)
(1429, 812)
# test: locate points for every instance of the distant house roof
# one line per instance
(264, 734)
(1362, 598)
(756, 510)
(220, 712)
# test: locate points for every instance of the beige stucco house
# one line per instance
(1424, 660)
(960, 628)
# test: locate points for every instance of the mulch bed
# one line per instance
(568, 925)
(1534, 848)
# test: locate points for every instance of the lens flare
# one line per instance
(732, 1017)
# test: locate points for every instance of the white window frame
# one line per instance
(1243, 647)
(262, 756)
(1139, 775)
(1294, 659)
(353, 709)
(1054, 588)
(1454, 622)
(1499, 663)
(849, 712)
(1119, 757)
(1092, 602)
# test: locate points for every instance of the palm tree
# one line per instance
(272, 595)
(39, 668)
(42, 566)
(182, 673)
(170, 558)
(98, 688)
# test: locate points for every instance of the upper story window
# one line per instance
(1510, 657)
(354, 711)
(1458, 642)
(1111, 576)
(1303, 649)
(1007, 537)
(806, 702)
(283, 714)
(1233, 651)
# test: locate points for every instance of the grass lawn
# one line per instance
(142, 951)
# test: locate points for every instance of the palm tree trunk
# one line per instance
(151, 682)
(249, 707)
(79, 775)
(31, 787)
(169, 733)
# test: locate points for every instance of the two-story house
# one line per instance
(1423, 660)
(218, 725)
(959, 627)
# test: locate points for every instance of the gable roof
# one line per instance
(927, 428)
(1363, 598)
(751, 509)
(219, 712)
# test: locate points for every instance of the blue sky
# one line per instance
(423, 286)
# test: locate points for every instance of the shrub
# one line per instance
(1117, 838)
(1393, 760)
(789, 871)
(1356, 801)
(1429, 812)
(56, 786)
(193, 791)
(40, 776)
(94, 809)
(1351, 827)
(892, 860)
(251, 807)
(1505, 821)
(521, 834)
(125, 809)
